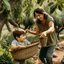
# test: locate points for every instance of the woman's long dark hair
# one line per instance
(40, 11)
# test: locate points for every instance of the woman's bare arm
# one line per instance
(34, 32)
(51, 27)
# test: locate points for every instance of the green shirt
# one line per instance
(51, 38)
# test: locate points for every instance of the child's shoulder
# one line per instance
(25, 40)
(14, 41)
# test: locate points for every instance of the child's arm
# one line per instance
(16, 47)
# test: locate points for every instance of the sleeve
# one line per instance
(27, 42)
(13, 43)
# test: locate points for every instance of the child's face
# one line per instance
(21, 38)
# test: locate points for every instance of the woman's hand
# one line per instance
(43, 35)
(32, 32)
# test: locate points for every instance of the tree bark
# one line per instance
(12, 22)
(2, 22)
(8, 27)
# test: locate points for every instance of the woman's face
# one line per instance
(39, 16)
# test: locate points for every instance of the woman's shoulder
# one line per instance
(50, 18)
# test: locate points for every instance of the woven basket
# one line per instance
(26, 52)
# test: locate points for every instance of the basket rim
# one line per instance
(33, 44)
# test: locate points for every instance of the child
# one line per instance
(20, 40)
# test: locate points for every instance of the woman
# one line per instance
(45, 28)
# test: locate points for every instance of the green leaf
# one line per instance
(35, 0)
(38, 1)
(52, 8)
(41, 2)
(50, 3)
(6, 5)
(62, 5)
(59, 7)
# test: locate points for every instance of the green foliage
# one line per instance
(1, 6)
(59, 19)
(5, 13)
(6, 5)
(17, 9)
(5, 58)
(49, 4)
(52, 8)
(5, 8)
(35, 0)
(59, 7)
(6, 40)
(32, 38)
(29, 62)
(22, 9)
(40, 2)
(53, 4)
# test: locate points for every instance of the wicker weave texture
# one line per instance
(25, 53)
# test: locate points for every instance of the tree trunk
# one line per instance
(2, 22)
(8, 27)
(12, 22)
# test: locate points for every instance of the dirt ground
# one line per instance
(59, 52)
(59, 57)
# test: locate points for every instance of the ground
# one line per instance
(60, 53)
(59, 57)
